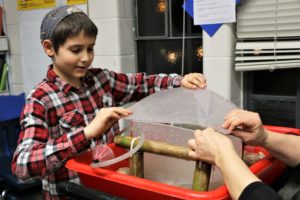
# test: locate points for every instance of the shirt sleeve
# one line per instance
(37, 153)
(259, 191)
(132, 87)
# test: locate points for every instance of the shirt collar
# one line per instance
(63, 85)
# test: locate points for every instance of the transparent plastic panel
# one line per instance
(171, 170)
(171, 116)
(164, 169)
(198, 108)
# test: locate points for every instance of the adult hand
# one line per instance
(193, 80)
(216, 148)
(104, 119)
(208, 145)
(247, 126)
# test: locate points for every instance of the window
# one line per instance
(268, 34)
(159, 38)
(268, 51)
(273, 94)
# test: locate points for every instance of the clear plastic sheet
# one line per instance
(169, 170)
(199, 108)
(171, 116)
(164, 169)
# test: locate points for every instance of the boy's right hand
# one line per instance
(104, 119)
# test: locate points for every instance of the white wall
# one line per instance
(115, 43)
(219, 63)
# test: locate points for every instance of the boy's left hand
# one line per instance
(193, 80)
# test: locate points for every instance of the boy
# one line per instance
(75, 105)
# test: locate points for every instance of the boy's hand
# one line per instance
(104, 119)
(193, 80)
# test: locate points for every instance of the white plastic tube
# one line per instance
(122, 157)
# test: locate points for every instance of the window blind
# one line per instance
(268, 35)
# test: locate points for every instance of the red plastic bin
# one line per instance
(129, 187)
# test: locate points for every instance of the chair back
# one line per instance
(10, 109)
(9, 133)
(11, 106)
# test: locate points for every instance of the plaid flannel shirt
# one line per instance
(55, 114)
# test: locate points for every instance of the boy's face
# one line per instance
(74, 58)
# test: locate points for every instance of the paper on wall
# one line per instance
(214, 11)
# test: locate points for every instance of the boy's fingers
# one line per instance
(190, 84)
(201, 80)
(198, 81)
(122, 111)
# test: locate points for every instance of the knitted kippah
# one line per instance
(53, 17)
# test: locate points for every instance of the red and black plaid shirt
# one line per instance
(55, 114)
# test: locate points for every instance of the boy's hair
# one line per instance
(64, 22)
(71, 26)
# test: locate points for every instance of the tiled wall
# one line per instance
(115, 43)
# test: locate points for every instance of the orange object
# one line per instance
(129, 187)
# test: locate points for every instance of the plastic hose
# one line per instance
(122, 157)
